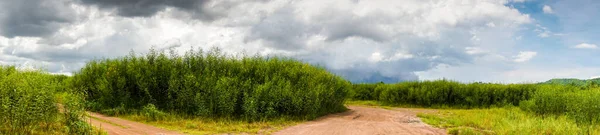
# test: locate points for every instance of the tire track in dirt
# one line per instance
(116, 126)
(366, 121)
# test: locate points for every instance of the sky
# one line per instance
(500, 41)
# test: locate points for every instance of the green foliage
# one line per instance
(26, 100)
(465, 131)
(29, 104)
(365, 91)
(152, 113)
(74, 112)
(212, 84)
(115, 111)
(581, 105)
(449, 93)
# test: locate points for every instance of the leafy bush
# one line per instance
(115, 111)
(449, 93)
(365, 91)
(152, 113)
(74, 113)
(29, 104)
(213, 84)
(581, 105)
(26, 100)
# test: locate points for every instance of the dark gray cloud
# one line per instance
(339, 25)
(145, 8)
(280, 30)
(206, 10)
(365, 76)
(43, 18)
(34, 18)
(109, 47)
(52, 54)
(285, 30)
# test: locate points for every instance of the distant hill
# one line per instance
(576, 82)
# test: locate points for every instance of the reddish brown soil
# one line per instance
(356, 121)
(116, 126)
(366, 121)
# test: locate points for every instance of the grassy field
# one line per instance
(504, 121)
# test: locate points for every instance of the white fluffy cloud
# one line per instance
(362, 40)
(547, 9)
(525, 56)
(544, 32)
(586, 46)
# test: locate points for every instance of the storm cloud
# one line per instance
(145, 8)
(34, 18)
(205, 10)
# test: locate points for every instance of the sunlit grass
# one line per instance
(200, 125)
(503, 121)
(375, 103)
(363, 102)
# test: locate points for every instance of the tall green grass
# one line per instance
(581, 105)
(365, 91)
(26, 101)
(212, 84)
(28, 104)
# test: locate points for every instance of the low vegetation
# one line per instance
(211, 125)
(504, 121)
(211, 84)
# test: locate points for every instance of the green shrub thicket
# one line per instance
(26, 101)
(581, 105)
(212, 84)
(364, 91)
(74, 115)
(447, 93)
(28, 105)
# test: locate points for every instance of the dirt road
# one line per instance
(365, 121)
(116, 126)
(357, 121)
